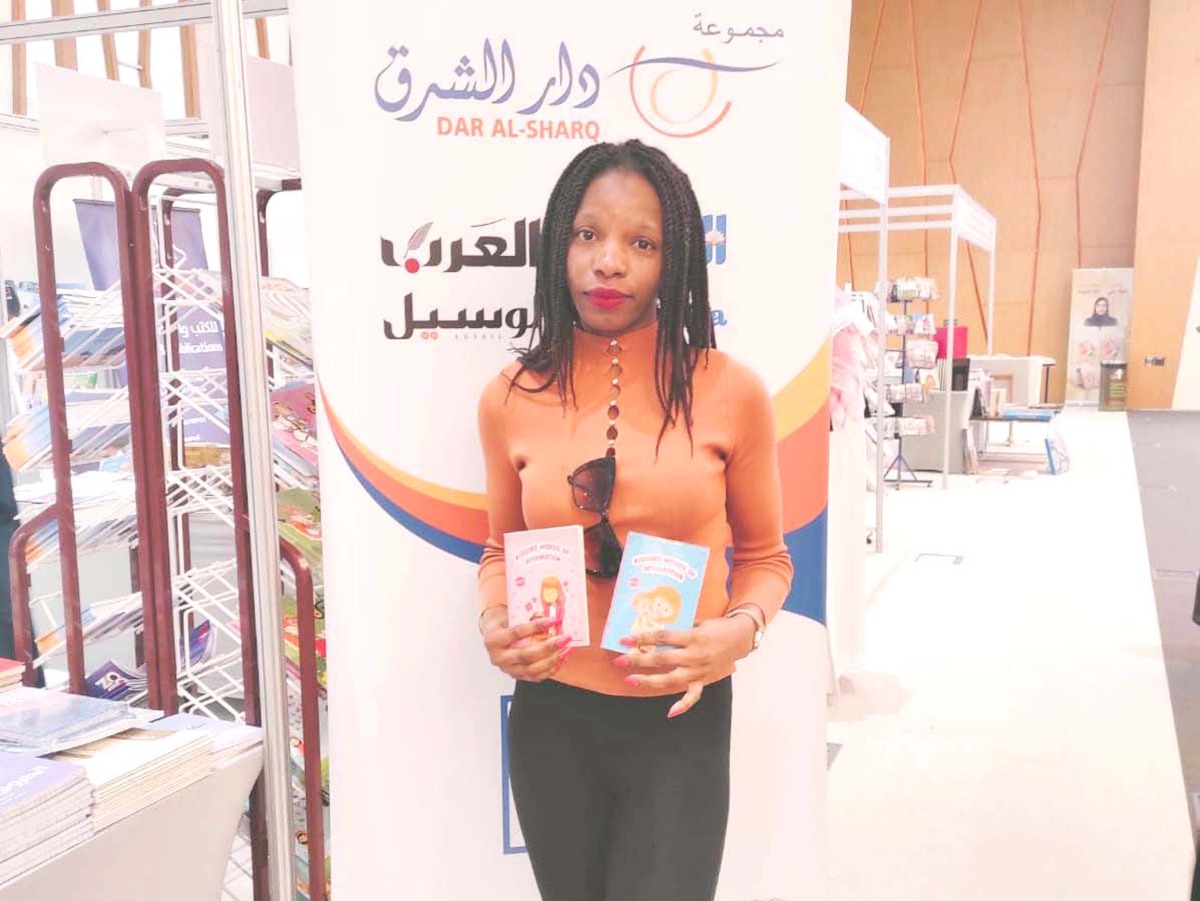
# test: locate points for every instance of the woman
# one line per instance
(621, 795)
(1100, 317)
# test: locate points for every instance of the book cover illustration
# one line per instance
(546, 578)
(658, 588)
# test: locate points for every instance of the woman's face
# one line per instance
(614, 262)
(1101, 307)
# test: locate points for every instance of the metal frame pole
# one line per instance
(948, 386)
(881, 291)
(260, 483)
(991, 298)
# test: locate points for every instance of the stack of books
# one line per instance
(45, 809)
(139, 767)
(10, 674)
(38, 722)
(230, 739)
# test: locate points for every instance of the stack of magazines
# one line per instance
(45, 809)
(139, 767)
(97, 421)
(92, 328)
(105, 511)
(10, 674)
(39, 722)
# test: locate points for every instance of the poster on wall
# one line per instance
(1099, 330)
(428, 154)
(1187, 381)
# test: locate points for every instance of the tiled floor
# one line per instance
(1009, 733)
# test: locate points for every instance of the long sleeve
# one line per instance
(503, 492)
(762, 568)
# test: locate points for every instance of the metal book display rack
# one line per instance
(180, 507)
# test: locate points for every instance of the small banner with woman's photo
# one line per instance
(1101, 300)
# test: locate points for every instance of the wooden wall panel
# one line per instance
(1034, 106)
(1168, 229)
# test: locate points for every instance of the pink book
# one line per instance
(546, 577)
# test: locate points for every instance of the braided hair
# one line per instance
(684, 318)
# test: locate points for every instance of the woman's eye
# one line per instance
(644, 245)
(585, 234)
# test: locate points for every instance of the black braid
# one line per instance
(684, 318)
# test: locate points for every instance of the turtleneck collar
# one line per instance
(637, 342)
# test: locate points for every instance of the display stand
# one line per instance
(900, 466)
(938, 208)
(195, 619)
(864, 170)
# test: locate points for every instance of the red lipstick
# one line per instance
(606, 298)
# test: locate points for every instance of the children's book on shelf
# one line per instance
(658, 588)
(291, 635)
(547, 579)
(298, 511)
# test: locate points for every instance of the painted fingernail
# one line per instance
(629, 642)
(622, 662)
(563, 641)
(674, 712)
(631, 681)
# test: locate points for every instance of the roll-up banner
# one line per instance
(430, 139)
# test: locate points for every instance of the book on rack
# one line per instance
(139, 767)
(45, 808)
(91, 324)
(658, 588)
(11, 672)
(291, 636)
(298, 511)
(547, 580)
(294, 430)
(38, 722)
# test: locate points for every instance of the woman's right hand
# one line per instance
(525, 652)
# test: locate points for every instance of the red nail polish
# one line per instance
(632, 681)
(629, 642)
(622, 662)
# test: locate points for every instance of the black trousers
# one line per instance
(616, 802)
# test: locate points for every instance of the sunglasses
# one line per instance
(592, 489)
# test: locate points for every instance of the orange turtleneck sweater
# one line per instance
(725, 491)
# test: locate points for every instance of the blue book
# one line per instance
(658, 587)
(27, 783)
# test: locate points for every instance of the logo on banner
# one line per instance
(498, 249)
(682, 96)
(491, 81)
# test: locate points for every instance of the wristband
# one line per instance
(758, 630)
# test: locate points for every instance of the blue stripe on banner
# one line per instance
(451, 544)
(505, 785)
(808, 545)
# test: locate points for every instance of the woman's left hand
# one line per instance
(690, 660)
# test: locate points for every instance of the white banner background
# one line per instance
(415, 710)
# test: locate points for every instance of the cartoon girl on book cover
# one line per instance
(656, 608)
(551, 602)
